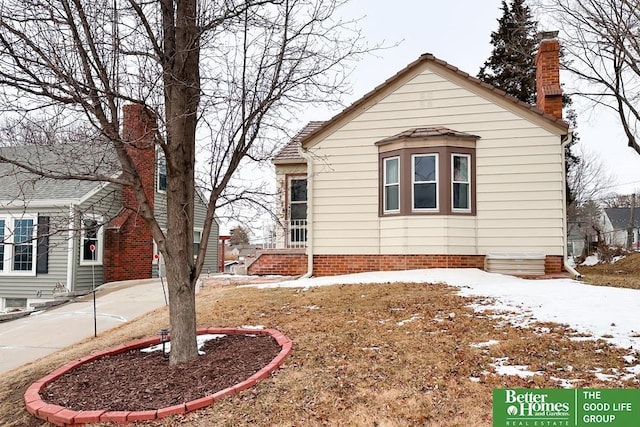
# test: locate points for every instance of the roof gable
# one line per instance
(619, 217)
(449, 71)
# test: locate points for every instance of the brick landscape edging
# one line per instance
(62, 416)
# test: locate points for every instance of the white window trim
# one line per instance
(196, 230)
(100, 237)
(385, 185)
(160, 156)
(8, 270)
(436, 182)
(453, 208)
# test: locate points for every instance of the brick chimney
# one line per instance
(548, 90)
(128, 244)
(139, 127)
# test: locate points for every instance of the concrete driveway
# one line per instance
(29, 338)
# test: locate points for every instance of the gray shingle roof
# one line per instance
(86, 159)
(289, 152)
(619, 217)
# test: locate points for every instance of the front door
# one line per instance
(297, 211)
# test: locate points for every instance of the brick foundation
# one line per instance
(295, 264)
(279, 263)
(553, 264)
(329, 265)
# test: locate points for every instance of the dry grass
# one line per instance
(364, 355)
(623, 274)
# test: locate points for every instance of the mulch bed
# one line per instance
(138, 381)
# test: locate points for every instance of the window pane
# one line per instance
(424, 196)
(90, 238)
(461, 168)
(391, 198)
(392, 167)
(460, 196)
(87, 254)
(22, 257)
(162, 173)
(23, 253)
(299, 211)
(424, 168)
(196, 242)
(299, 190)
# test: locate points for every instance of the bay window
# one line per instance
(427, 176)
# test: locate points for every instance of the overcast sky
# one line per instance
(459, 31)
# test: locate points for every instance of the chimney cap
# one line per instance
(547, 35)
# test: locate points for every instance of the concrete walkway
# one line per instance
(29, 338)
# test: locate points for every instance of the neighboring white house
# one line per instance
(615, 227)
(432, 168)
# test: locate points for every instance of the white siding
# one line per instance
(519, 176)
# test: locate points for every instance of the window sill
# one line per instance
(18, 274)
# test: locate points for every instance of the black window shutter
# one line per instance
(42, 261)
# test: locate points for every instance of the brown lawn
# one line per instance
(624, 273)
(364, 355)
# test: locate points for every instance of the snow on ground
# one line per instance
(600, 311)
(591, 260)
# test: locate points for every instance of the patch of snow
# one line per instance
(311, 307)
(484, 344)
(590, 260)
(411, 319)
(201, 340)
(604, 377)
(629, 358)
(252, 327)
(517, 370)
(617, 258)
(474, 379)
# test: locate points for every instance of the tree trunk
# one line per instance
(182, 312)
(182, 96)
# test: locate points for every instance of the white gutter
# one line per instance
(565, 237)
(70, 248)
(38, 203)
(309, 158)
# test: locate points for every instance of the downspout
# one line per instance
(71, 249)
(309, 158)
(565, 237)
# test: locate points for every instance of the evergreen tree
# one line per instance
(511, 66)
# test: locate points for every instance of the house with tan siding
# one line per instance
(433, 168)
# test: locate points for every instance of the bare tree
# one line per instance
(589, 183)
(219, 75)
(619, 200)
(601, 39)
